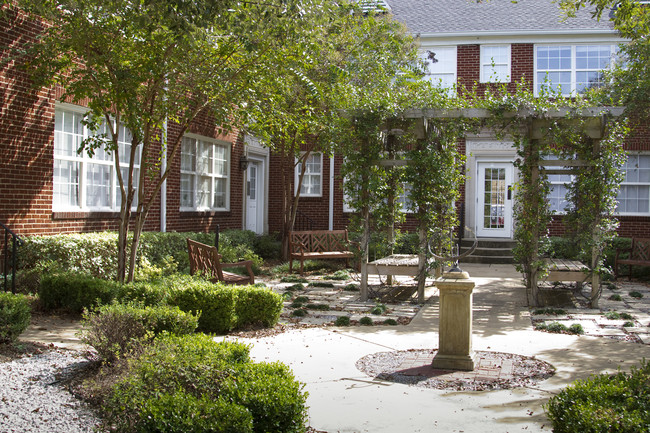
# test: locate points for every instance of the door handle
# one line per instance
(509, 192)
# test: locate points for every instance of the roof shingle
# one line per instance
(470, 16)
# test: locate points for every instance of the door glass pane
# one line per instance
(495, 198)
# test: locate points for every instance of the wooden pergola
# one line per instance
(533, 126)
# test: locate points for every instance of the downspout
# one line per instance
(163, 187)
(331, 206)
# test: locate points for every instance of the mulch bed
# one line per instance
(493, 370)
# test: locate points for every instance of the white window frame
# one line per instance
(573, 70)
(403, 201)
(309, 174)
(640, 183)
(436, 71)
(84, 163)
(488, 64)
(198, 171)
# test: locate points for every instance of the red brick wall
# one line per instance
(469, 64)
(26, 142)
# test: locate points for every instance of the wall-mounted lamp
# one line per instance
(243, 162)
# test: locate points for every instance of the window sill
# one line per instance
(74, 215)
(202, 213)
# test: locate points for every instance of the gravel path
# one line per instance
(32, 400)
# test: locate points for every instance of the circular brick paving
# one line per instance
(493, 370)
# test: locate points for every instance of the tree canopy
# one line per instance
(629, 83)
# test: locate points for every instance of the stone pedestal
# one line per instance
(455, 333)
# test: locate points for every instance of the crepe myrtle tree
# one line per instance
(142, 64)
(351, 53)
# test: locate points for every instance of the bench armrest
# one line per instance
(298, 247)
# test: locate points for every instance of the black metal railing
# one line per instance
(10, 257)
(303, 222)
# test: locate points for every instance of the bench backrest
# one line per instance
(640, 249)
(205, 259)
(317, 241)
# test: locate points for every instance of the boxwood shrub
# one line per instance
(604, 403)
(183, 412)
(214, 302)
(117, 330)
(15, 315)
(193, 375)
(74, 291)
(257, 306)
(272, 395)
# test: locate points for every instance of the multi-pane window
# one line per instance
(557, 195)
(634, 195)
(571, 68)
(205, 169)
(495, 63)
(404, 202)
(441, 66)
(82, 182)
(313, 180)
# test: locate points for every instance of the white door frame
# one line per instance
(499, 224)
(256, 222)
(257, 153)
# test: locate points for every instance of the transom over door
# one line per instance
(494, 199)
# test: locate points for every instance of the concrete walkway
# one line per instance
(342, 399)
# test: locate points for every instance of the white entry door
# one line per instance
(494, 199)
(255, 197)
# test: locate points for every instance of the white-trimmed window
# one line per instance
(403, 201)
(205, 174)
(495, 63)
(572, 68)
(81, 182)
(634, 195)
(557, 195)
(441, 66)
(312, 182)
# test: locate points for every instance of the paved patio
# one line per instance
(343, 399)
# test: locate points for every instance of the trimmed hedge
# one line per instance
(192, 375)
(15, 314)
(214, 302)
(159, 254)
(272, 395)
(117, 330)
(74, 292)
(604, 403)
(182, 412)
(257, 306)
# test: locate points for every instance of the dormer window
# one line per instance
(495, 63)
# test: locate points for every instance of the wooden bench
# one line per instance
(207, 260)
(638, 255)
(317, 245)
(566, 270)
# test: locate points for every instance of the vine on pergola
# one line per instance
(554, 135)
(384, 151)
(550, 134)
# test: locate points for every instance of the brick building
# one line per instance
(501, 41)
(46, 188)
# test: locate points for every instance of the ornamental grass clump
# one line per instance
(604, 403)
(119, 330)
